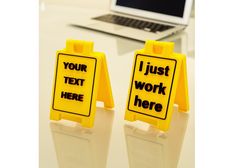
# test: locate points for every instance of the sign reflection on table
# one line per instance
(80, 147)
(153, 148)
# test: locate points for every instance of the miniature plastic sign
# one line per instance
(81, 78)
(159, 80)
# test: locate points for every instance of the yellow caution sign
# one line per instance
(159, 79)
(81, 78)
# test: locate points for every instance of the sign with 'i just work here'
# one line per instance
(158, 81)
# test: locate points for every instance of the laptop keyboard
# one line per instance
(133, 23)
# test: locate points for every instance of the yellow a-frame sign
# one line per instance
(81, 78)
(159, 79)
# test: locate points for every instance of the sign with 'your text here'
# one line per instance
(81, 78)
(158, 80)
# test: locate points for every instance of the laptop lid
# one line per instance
(174, 11)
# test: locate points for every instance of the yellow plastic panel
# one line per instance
(74, 84)
(78, 83)
(153, 86)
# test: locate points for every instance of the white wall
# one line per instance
(100, 4)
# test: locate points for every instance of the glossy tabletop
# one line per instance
(112, 142)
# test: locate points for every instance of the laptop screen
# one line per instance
(167, 7)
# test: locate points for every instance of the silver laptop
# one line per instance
(142, 19)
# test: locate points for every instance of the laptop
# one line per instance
(142, 19)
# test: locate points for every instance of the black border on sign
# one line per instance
(92, 85)
(170, 88)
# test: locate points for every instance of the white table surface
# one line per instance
(113, 142)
